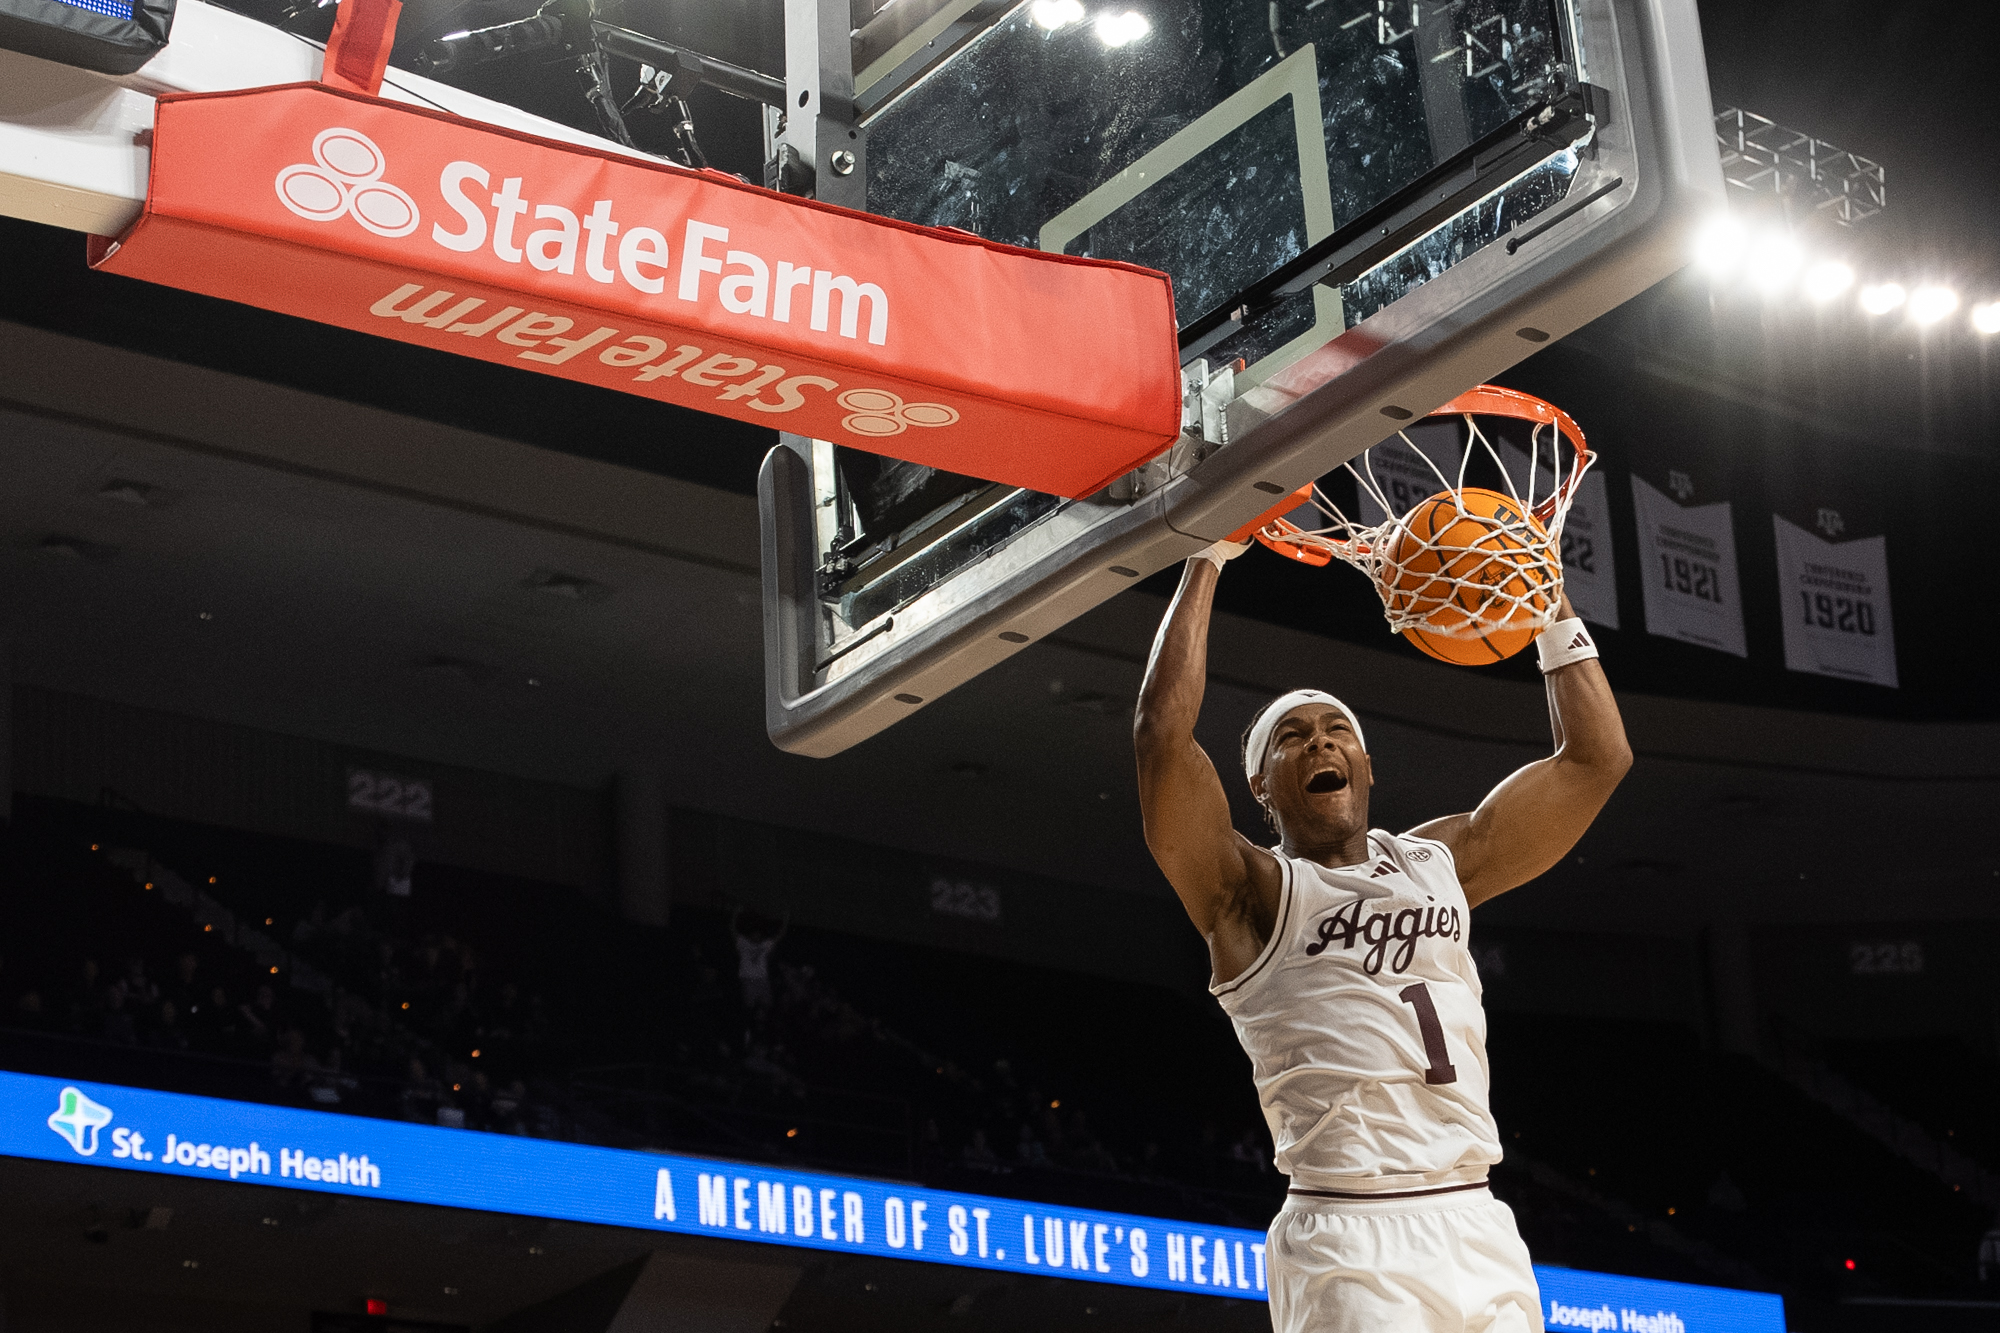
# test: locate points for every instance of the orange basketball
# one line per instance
(1452, 556)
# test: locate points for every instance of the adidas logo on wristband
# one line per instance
(1564, 643)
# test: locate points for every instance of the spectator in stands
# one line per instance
(140, 990)
(452, 1025)
(420, 1093)
(1049, 1127)
(312, 925)
(86, 1001)
(261, 1021)
(497, 1034)
(212, 1024)
(478, 1098)
(534, 1035)
(184, 988)
(396, 869)
(164, 1032)
(289, 1062)
(325, 1085)
(1086, 1153)
(1250, 1154)
(119, 1024)
(506, 1107)
(978, 1152)
(390, 986)
(755, 939)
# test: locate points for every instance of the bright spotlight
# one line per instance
(1928, 305)
(1719, 246)
(1986, 318)
(1826, 280)
(1122, 29)
(1054, 14)
(1880, 300)
(1774, 260)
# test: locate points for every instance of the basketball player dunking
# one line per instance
(1341, 957)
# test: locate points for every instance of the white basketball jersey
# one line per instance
(1363, 1024)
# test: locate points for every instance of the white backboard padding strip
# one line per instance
(67, 151)
(68, 155)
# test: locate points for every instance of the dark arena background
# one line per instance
(407, 924)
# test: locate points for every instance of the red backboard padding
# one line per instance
(1038, 370)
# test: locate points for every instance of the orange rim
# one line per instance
(1493, 401)
(1487, 400)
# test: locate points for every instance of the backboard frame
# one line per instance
(1651, 175)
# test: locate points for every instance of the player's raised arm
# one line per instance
(1228, 885)
(1532, 819)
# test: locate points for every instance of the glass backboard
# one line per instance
(1366, 207)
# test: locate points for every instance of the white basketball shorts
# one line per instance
(1443, 1263)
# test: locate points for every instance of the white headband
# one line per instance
(1259, 744)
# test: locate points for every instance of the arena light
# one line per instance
(1122, 29)
(1054, 14)
(1719, 245)
(1928, 305)
(1882, 298)
(1775, 260)
(1986, 318)
(1826, 280)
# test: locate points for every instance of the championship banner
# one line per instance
(1037, 370)
(1402, 476)
(1689, 558)
(1836, 604)
(1590, 575)
(754, 1203)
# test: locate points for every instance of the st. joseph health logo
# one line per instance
(77, 1119)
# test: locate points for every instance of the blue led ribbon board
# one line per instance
(117, 9)
(1601, 1302)
(135, 1129)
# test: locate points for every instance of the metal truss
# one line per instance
(1761, 156)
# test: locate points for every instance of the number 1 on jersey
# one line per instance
(1418, 997)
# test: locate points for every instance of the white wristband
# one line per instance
(1221, 553)
(1563, 643)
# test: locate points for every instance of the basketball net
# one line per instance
(1461, 572)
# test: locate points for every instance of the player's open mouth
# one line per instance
(1328, 780)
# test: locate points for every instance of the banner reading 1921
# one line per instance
(1835, 596)
(1407, 475)
(1688, 568)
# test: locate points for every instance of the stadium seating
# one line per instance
(216, 962)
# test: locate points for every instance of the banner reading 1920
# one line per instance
(1835, 596)
(137, 1129)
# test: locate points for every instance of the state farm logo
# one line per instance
(345, 177)
(877, 413)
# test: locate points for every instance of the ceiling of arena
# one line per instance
(198, 543)
(219, 512)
